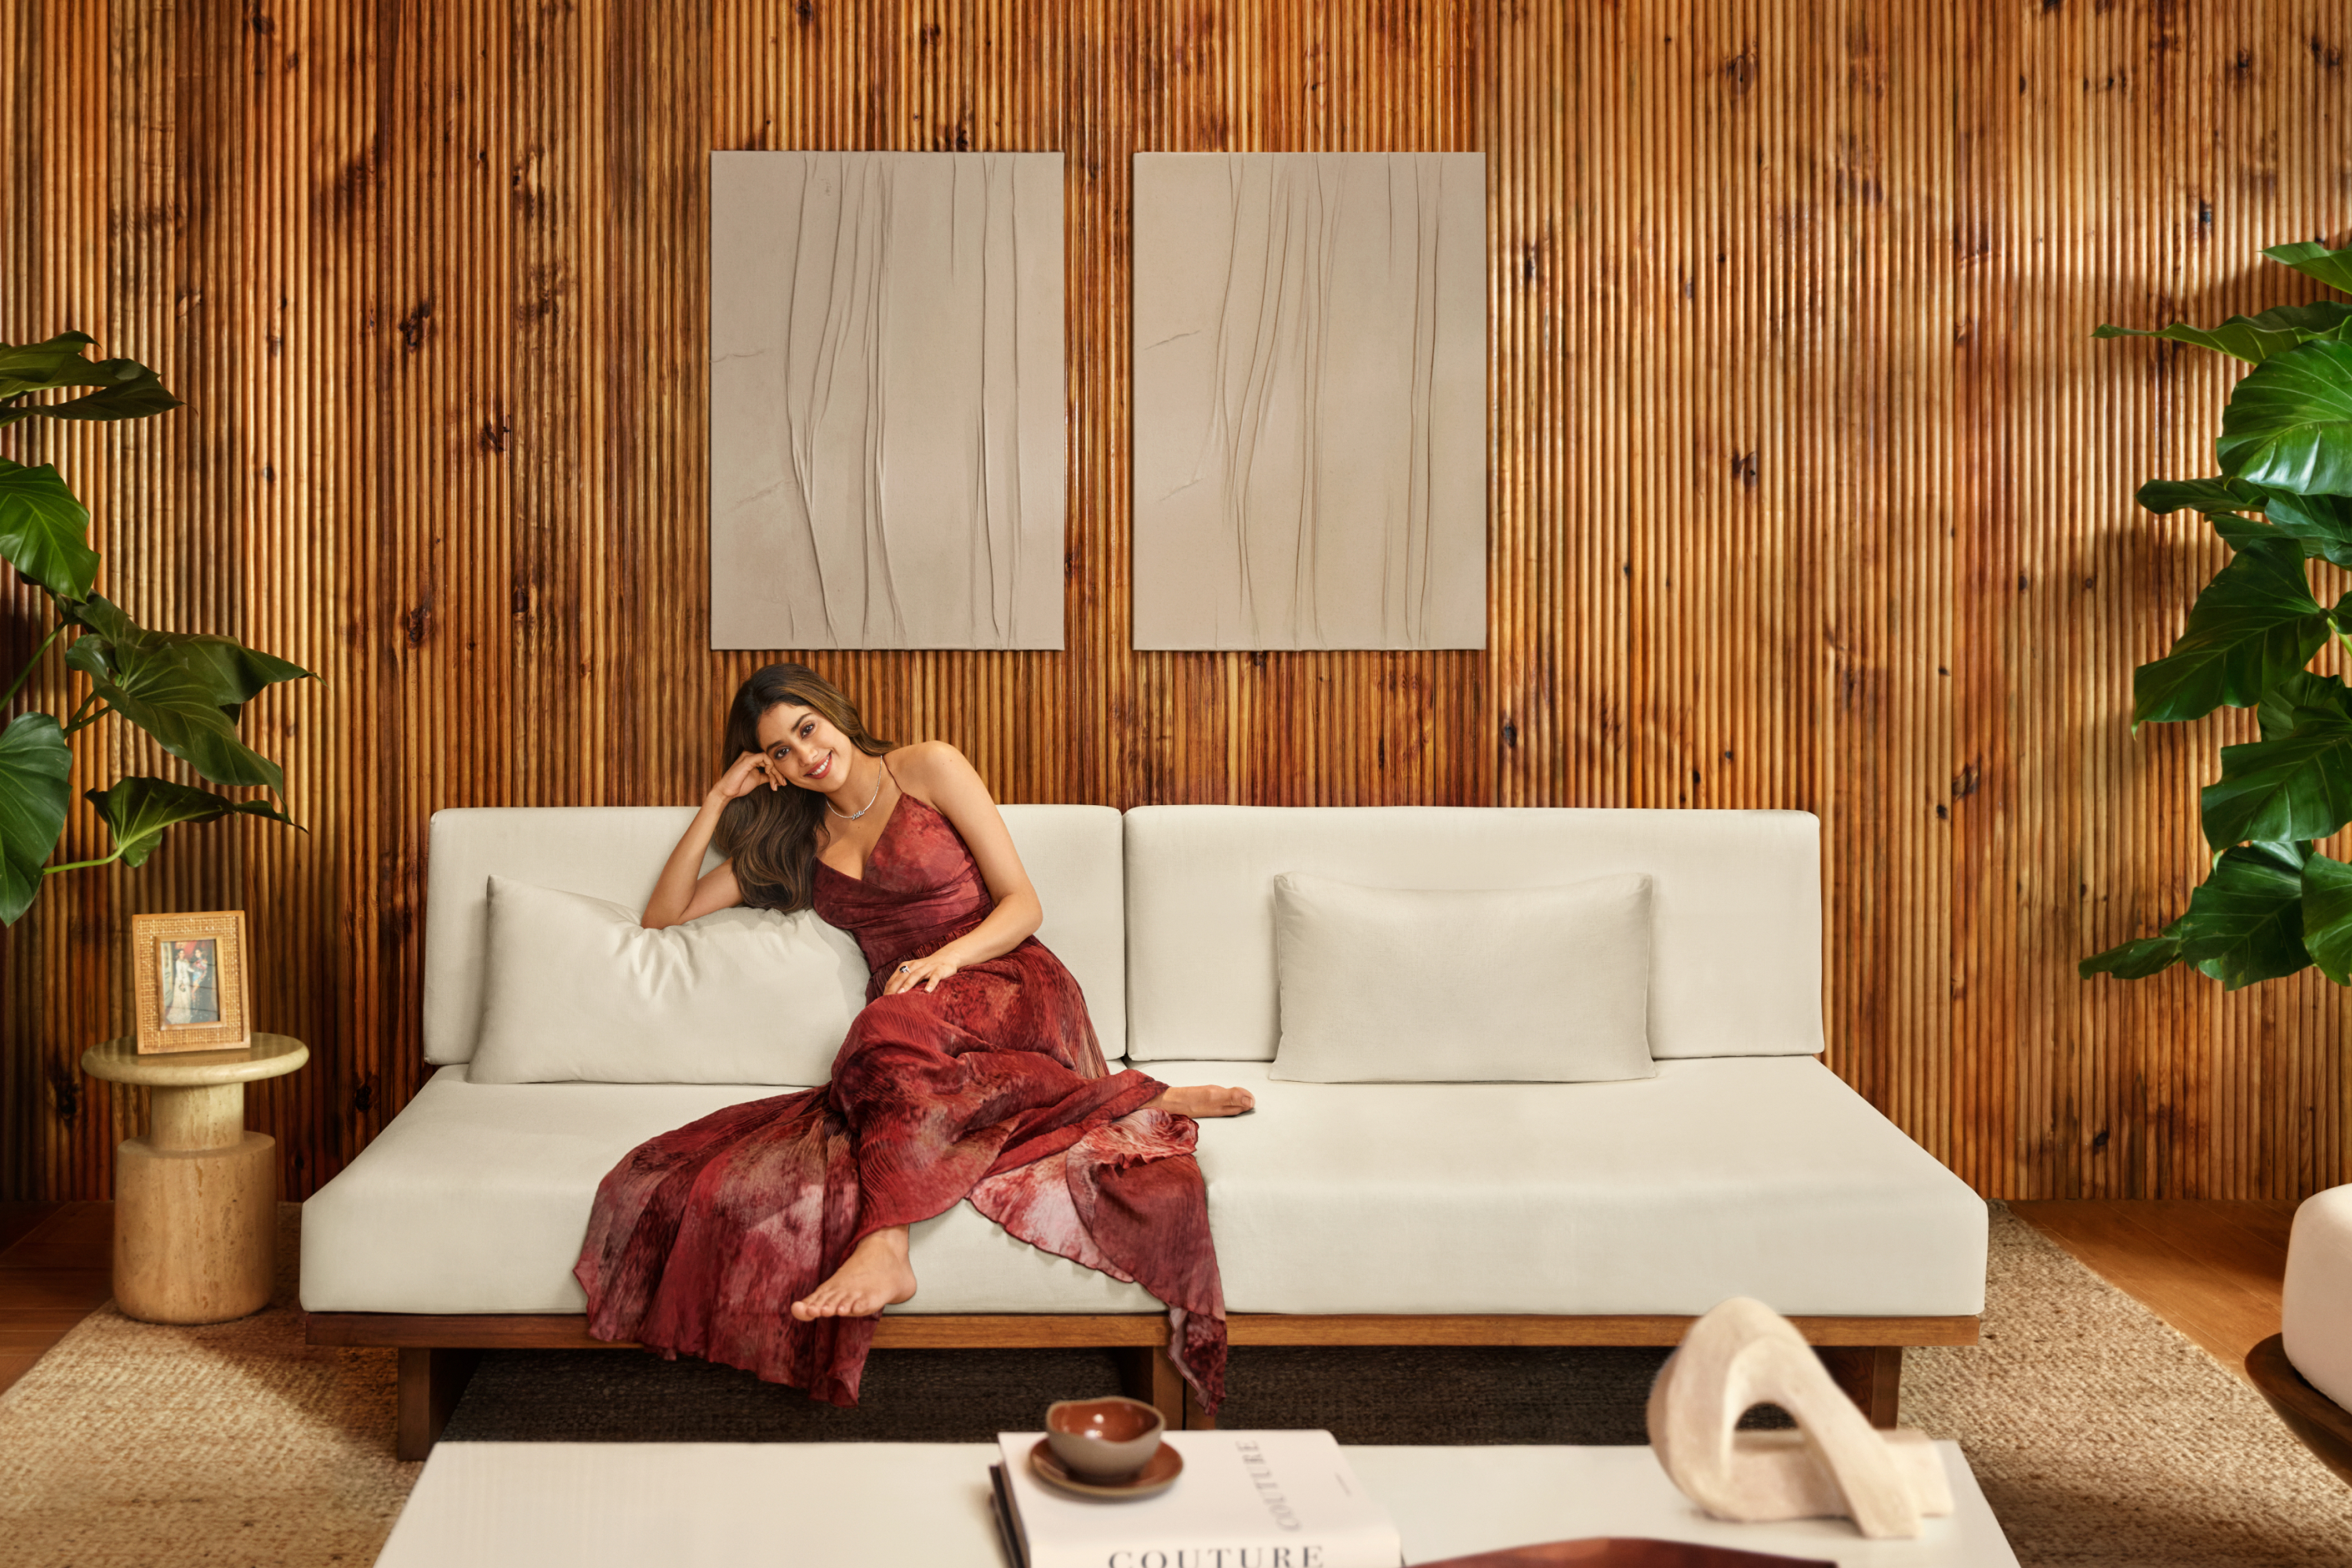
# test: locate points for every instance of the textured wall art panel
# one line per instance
(887, 454)
(1310, 400)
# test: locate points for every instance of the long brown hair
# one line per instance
(769, 834)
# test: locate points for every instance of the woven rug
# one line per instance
(139, 1445)
(2100, 1435)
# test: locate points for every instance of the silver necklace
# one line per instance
(853, 815)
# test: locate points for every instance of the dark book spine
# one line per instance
(1008, 1526)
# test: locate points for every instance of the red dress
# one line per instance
(991, 1087)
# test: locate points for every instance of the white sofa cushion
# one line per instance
(2315, 1307)
(578, 991)
(1406, 986)
(1736, 932)
(475, 1199)
(1071, 852)
(1726, 1176)
(1753, 1176)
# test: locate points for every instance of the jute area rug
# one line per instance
(2100, 1435)
(2103, 1436)
(139, 1445)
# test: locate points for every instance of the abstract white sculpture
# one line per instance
(1742, 1354)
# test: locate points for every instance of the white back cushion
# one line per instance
(1072, 854)
(1460, 986)
(1736, 946)
(578, 991)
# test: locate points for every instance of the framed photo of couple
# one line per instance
(188, 972)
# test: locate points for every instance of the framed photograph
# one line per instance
(189, 974)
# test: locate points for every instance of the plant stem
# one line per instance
(82, 865)
(31, 664)
(78, 723)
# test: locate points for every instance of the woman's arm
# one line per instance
(682, 893)
(937, 773)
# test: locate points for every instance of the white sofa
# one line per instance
(1470, 1213)
(2305, 1369)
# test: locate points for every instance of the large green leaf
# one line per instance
(2333, 268)
(2238, 532)
(2255, 623)
(172, 693)
(2134, 960)
(125, 388)
(2289, 422)
(2322, 522)
(44, 531)
(2327, 916)
(2245, 923)
(2288, 704)
(133, 392)
(37, 367)
(2296, 786)
(34, 793)
(237, 674)
(138, 810)
(2210, 497)
(2253, 338)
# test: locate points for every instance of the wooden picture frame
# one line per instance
(188, 977)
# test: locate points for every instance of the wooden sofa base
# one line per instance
(437, 1353)
(2324, 1427)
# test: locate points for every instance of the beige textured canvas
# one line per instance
(887, 443)
(1310, 400)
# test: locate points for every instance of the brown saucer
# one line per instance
(1158, 1473)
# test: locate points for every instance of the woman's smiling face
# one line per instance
(805, 748)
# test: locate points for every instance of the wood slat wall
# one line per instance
(1809, 488)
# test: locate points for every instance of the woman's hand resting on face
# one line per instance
(749, 771)
(926, 972)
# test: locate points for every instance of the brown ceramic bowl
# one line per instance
(1103, 1439)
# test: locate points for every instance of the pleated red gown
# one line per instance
(992, 1088)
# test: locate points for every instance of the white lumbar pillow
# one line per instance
(577, 990)
(1412, 985)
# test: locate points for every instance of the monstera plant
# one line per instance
(2272, 903)
(186, 690)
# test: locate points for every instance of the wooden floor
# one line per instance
(2211, 1268)
(53, 1263)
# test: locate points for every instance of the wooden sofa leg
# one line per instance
(1871, 1375)
(430, 1381)
(1148, 1375)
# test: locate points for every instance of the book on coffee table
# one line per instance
(1264, 1500)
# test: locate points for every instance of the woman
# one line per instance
(187, 1002)
(766, 1235)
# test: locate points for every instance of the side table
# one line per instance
(195, 1209)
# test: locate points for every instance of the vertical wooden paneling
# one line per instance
(1808, 486)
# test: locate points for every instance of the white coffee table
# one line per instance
(877, 1505)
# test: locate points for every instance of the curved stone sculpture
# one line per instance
(1743, 1355)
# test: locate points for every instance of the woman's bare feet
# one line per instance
(1204, 1099)
(875, 1275)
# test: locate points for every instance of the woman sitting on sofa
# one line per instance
(767, 1235)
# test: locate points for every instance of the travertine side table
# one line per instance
(195, 1201)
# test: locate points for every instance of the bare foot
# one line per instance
(1204, 1099)
(875, 1275)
